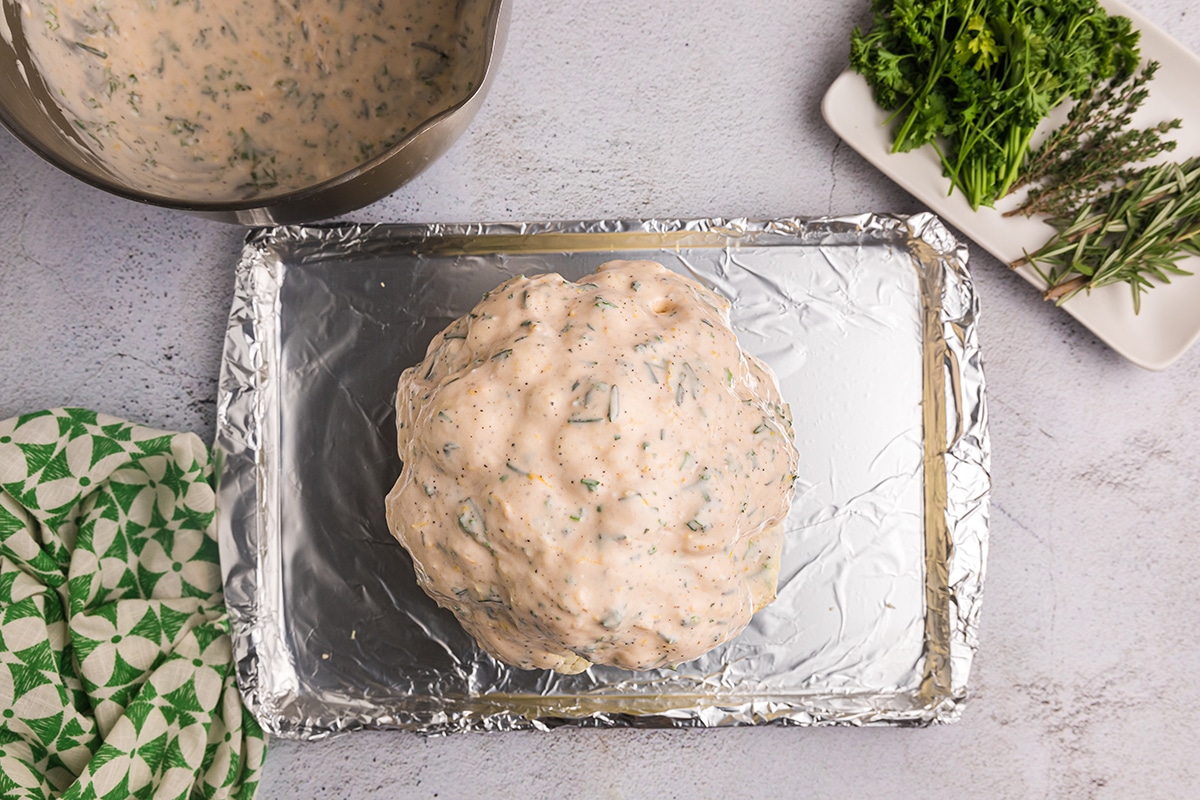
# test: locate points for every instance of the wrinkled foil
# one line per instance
(869, 323)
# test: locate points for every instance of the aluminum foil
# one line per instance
(870, 324)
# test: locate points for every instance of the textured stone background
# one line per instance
(1086, 681)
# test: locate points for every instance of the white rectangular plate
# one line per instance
(1169, 322)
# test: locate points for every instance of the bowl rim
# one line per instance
(492, 44)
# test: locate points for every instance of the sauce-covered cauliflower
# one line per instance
(594, 472)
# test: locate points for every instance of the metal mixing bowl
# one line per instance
(28, 112)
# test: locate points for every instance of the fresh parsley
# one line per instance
(974, 78)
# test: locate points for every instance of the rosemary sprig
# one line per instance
(1093, 149)
(1131, 234)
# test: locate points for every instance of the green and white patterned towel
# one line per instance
(116, 673)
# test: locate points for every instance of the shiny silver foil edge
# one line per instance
(954, 367)
(956, 508)
(247, 496)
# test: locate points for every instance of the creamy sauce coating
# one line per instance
(234, 99)
(594, 472)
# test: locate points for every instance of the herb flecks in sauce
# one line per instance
(628, 468)
(233, 99)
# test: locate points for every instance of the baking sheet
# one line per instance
(870, 324)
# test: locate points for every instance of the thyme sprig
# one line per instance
(1131, 234)
(1093, 149)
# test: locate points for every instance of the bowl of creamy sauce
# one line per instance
(250, 111)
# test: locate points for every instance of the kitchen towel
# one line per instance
(116, 673)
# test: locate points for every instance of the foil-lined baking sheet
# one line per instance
(870, 324)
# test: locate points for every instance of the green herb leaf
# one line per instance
(1092, 151)
(973, 78)
(470, 520)
(1134, 234)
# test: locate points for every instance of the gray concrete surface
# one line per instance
(1086, 681)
